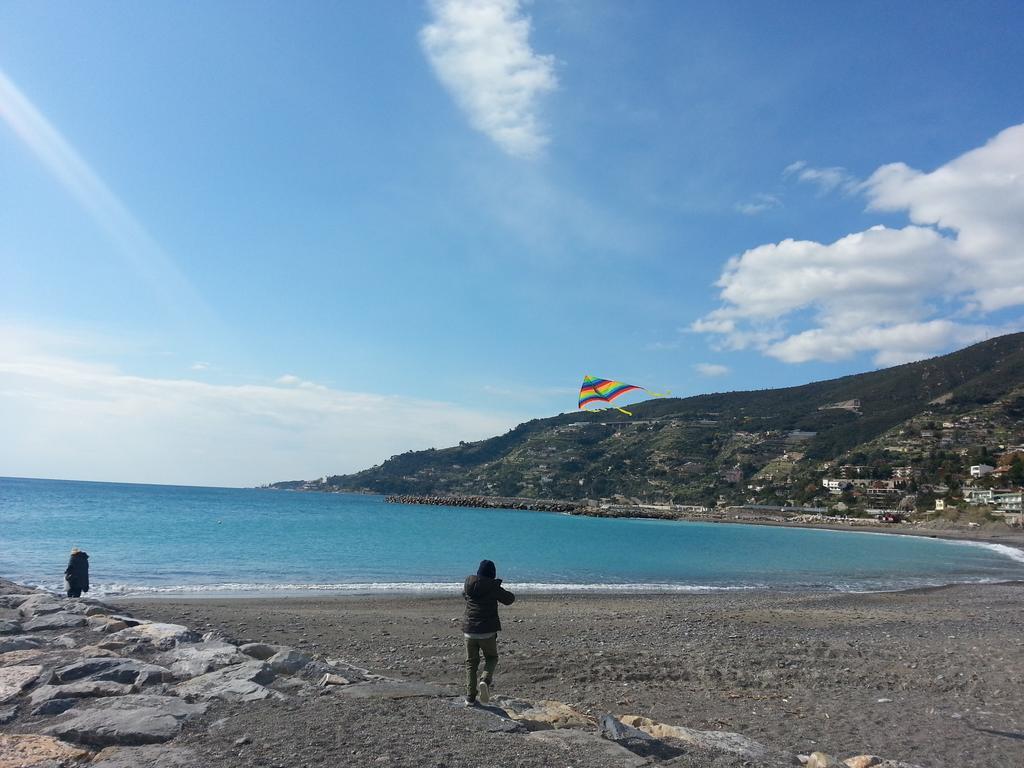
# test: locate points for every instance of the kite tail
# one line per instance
(658, 394)
(622, 410)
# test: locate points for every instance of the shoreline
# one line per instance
(572, 592)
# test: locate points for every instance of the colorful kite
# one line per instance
(605, 390)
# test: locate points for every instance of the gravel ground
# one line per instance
(930, 676)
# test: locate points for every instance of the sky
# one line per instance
(247, 242)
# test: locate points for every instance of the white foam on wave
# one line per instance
(1014, 553)
(398, 587)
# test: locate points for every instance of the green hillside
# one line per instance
(699, 449)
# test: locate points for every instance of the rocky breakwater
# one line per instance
(490, 502)
(81, 682)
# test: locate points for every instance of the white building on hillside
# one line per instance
(980, 470)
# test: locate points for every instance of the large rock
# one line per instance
(261, 651)
(241, 682)
(200, 658)
(150, 756)
(128, 720)
(54, 707)
(85, 690)
(544, 715)
(40, 604)
(712, 741)
(8, 627)
(7, 714)
(58, 620)
(288, 661)
(105, 624)
(863, 761)
(20, 643)
(29, 750)
(13, 680)
(159, 635)
(117, 670)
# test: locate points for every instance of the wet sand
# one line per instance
(932, 676)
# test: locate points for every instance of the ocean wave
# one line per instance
(243, 589)
(1014, 553)
(399, 587)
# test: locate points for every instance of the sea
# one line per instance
(174, 540)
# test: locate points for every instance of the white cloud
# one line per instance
(826, 179)
(65, 416)
(711, 369)
(480, 50)
(901, 294)
(199, 365)
(760, 203)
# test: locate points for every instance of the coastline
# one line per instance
(992, 533)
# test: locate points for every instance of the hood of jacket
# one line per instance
(480, 586)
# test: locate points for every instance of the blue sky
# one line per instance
(247, 242)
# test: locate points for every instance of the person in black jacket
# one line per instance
(481, 625)
(76, 575)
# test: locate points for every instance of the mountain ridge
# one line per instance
(703, 448)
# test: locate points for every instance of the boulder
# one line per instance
(105, 624)
(9, 627)
(54, 707)
(95, 651)
(20, 643)
(117, 670)
(28, 750)
(543, 715)
(128, 720)
(150, 756)
(129, 621)
(241, 682)
(162, 636)
(863, 761)
(712, 741)
(7, 714)
(288, 661)
(16, 658)
(197, 659)
(12, 601)
(261, 651)
(40, 604)
(58, 620)
(84, 690)
(13, 680)
(823, 760)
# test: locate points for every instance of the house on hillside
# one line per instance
(980, 470)
(1009, 500)
(973, 495)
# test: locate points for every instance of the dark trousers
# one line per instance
(73, 589)
(489, 648)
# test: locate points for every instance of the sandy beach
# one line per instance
(931, 676)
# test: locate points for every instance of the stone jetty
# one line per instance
(492, 502)
(83, 683)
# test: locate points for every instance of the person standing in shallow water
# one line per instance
(481, 625)
(77, 573)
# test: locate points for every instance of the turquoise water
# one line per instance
(149, 538)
